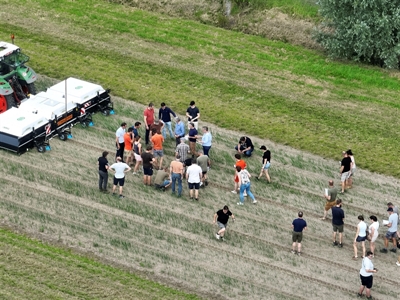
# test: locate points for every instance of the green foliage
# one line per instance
(366, 31)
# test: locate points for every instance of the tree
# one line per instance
(361, 30)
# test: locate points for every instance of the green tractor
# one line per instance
(17, 81)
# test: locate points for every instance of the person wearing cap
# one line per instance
(176, 171)
(148, 116)
(221, 218)
(266, 163)
(192, 138)
(164, 114)
(119, 168)
(391, 234)
(179, 131)
(298, 226)
(330, 197)
(345, 170)
(366, 272)
(193, 115)
(245, 146)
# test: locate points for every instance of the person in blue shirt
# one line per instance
(135, 129)
(206, 140)
(179, 131)
(298, 226)
(164, 114)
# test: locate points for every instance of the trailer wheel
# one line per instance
(105, 112)
(41, 148)
(62, 136)
(83, 124)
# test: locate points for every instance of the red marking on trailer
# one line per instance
(83, 111)
(48, 129)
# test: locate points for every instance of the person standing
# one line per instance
(245, 146)
(157, 140)
(266, 163)
(221, 217)
(345, 169)
(361, 236)
(373, 231)
(120, 168)
(193, 176)
(135, 129)
(239, 163)
(128, 142)
(338, 222)
(353, 168)
(298, 226)
(392, 231)
(148, 116)
(193, 115)
(330, 196)
(157, 125)
(206, 140)
(182, 150)
(179, 131)
(147, 160)
(366, 272)
(192, 138)
(244, 184)
(102, 162)
(204, 162)
(164, 114)
(176, 170)
(137, 152)
(120, 142)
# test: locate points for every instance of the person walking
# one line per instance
(221, 218)
(338, 222)
(192, 138)
(373, 231)
(206, 140)
(366, 275)
(345, 169)
(242, 164)
(353, 168)
(147, 160)
(244, 185)
(137, 152)
(298, 226)
(148, 116)
(245, 146)
(157, 140)
(102, 162)
(164, 114)
(176, 171)
(193, 115)
(120, 168)
(193, 176)
(179, 131)
(266, 163)
(391, 234)
(361, 236)
(120, 141)
(330, 196)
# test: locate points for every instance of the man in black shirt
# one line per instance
(245, 146)
(221, 217)
(193, 114)
(337, 222)
(345, 170)
(102, 162)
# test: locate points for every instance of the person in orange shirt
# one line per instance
(128, 140)
(242, 164)
(157, 140)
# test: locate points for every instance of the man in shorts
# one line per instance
(147, 161)
(157, 140)
(330, 196)
(221, 217)
(204, 162)
(338, 222)
(193, 176)
(366, 272)
(345, 170)
(298, 225)
(391, 234)
(120, 168)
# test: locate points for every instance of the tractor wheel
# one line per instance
(6, 102)
(31, 88)
(105, 112)
(41, 148)
(62, 136)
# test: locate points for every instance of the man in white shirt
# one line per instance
(120, 142)
(366, 272)
(193, 176)
(119, 168)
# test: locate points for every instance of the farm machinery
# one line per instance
(17, 81)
